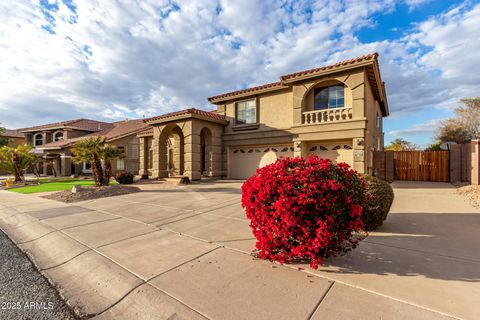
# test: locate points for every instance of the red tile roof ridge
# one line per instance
(293, 75)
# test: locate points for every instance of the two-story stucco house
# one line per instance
(52, 144)
(333, 112)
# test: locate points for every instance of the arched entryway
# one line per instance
(205, 152)
(171, 151)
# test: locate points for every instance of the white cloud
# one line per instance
(113, 59)
(428, 127)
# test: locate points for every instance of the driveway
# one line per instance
(184, 253)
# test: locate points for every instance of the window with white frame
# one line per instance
(87, 167)
(132, 151)
(246, 112)
(121, 160)
(38, 139)
(58, 136)
(378, 120)
(120, 164)
(329, 97)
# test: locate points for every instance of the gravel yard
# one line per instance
(91, 193)
(24, 292)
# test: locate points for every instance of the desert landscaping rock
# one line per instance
(91, 193)
(23, 286)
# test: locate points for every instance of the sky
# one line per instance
(111, 60)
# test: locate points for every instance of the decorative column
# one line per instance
(299, 149)
(359, 155)
(155, 151)
(215, 153)
(475, 162)
(66, 160)
(192, 150)
(143, 158)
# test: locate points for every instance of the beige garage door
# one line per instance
(245, 160)
(335, 151)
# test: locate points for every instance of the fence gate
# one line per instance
(422, 165)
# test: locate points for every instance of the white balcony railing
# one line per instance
(327, 116)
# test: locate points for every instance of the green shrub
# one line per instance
(377, 203)
(124, 178)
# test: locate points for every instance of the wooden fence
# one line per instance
(422, 165)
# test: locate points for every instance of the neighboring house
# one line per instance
(333, 112)
(15, 139)
(52, 144)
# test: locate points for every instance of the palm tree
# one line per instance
(16, 160)
(89, 151)
(108, 154)
(95, 151)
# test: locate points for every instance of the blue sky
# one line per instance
(116, 59)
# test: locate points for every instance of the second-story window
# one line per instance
(246, 112)
(378, 120)
(329, 97)
(38, 139)
(58, 136)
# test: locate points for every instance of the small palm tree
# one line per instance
(16, 160)
(108, 154)
(94, 151)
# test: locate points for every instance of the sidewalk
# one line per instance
(184, 252)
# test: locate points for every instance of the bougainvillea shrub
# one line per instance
(304, 209)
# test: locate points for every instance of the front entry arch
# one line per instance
(205, 152)
(171, 151)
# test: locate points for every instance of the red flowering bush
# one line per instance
(304, 209)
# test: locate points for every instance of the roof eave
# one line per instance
(219, 100)
(286, 79)
(185, 116)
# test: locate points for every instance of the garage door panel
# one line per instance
(246, 160)
(337, 152)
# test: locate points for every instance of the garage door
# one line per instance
(335, 151)
(245, 160)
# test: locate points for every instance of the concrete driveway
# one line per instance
(184, 253)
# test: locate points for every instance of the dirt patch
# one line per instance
(471, 193)
(89, 193)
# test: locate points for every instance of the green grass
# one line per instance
(57, 185)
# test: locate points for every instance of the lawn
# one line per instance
(57, 185)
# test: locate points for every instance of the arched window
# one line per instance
(329, 97)
(38, 139)
(58, 136)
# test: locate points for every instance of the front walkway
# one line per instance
(184, 252)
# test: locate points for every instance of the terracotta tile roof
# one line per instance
(79, 124)
(333, 66)
(116, 131)
(253, 89)
(12, 133)
(146, 132)
(282, 83)
(192, 111)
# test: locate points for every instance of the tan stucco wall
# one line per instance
(372, 134)
(15, 142)
(281, 117)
